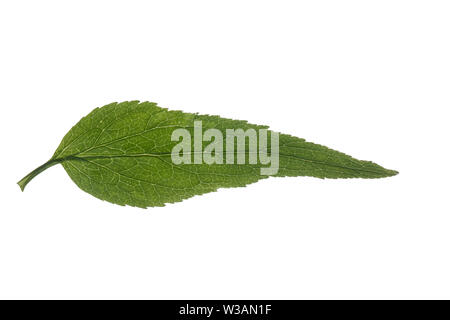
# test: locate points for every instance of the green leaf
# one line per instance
(121, 153)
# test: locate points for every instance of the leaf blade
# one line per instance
(121, 153)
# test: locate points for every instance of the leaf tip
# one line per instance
(391, 173)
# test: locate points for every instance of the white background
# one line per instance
(369, 78)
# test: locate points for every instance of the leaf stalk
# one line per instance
(25, 180)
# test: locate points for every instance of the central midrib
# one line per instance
(156, 155)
